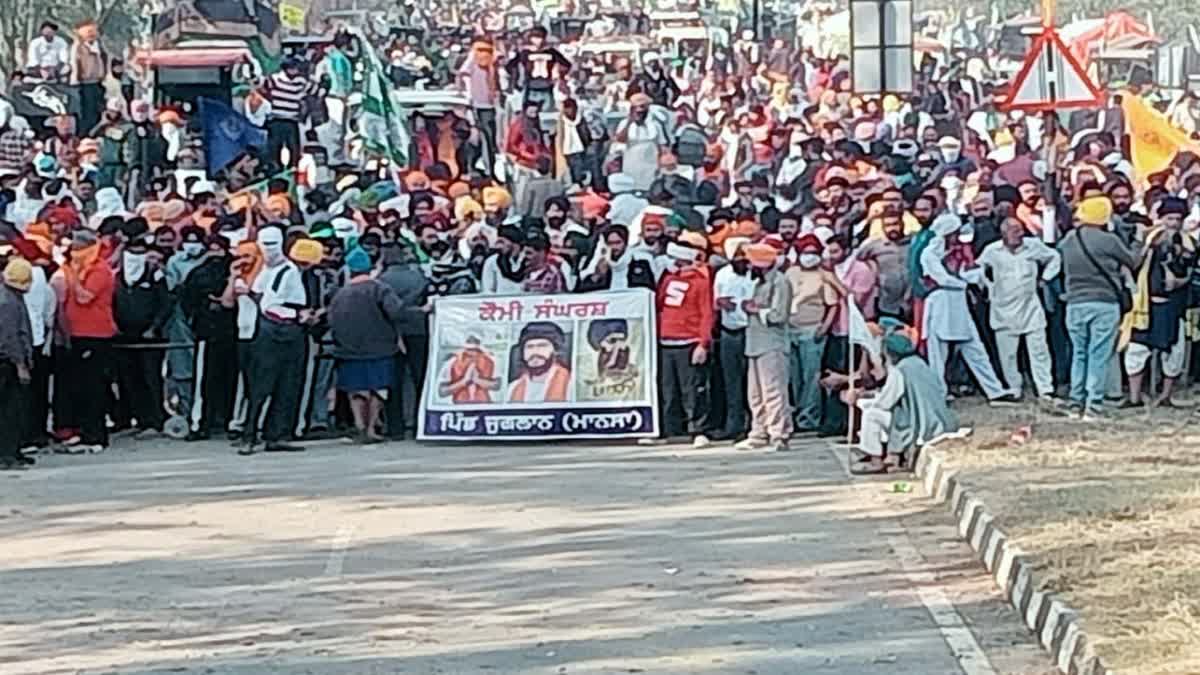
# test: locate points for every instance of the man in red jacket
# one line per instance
(685, 321)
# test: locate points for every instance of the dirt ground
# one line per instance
(556, 558)
(1109, 513)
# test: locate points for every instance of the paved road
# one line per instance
(559, 558)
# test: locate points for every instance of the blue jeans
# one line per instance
(804, 364)
(1092, 327)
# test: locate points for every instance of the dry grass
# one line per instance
(1110, 514)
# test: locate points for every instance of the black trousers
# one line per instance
(86, 377)
(834, 413)
(731, 355)
(578, 166)
(283, 134)
(139, 376)
(276, 373)
(215, 376)
(63, 403)
(37, 400)
(91, 101)
(681, 391)
(485, 119)
(404, 399)
(13, 397)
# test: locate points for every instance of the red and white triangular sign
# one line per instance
(1051, 79)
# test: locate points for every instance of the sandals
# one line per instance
(869, 470)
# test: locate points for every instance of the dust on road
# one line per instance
(555, 558)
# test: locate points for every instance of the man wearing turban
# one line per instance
(543, 374)
(908, 412)
(1092, 260)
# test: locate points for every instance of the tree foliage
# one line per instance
(120, 23)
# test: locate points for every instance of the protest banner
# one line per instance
(538, 367)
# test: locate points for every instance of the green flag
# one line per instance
(384, 134)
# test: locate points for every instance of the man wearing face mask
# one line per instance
(655, 82)
(949, 265)
(767, 351)
(181, 360)
(810, 318)
(141, 307)
(950, 153)
(685, 318)
(216, 330)
(278, 348)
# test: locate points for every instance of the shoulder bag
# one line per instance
(1124, 297)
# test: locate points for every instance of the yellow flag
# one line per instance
(1153, 142)
(292, 15)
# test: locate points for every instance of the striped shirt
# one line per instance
(15, 150)
(287, 96)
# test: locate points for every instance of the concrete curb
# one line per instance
(1057, 626)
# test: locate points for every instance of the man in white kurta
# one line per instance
(1013, 267)
(947, 320)
(643, 137)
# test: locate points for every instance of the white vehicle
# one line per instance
(610, 49)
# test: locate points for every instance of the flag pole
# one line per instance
(851, 403)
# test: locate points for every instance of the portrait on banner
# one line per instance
(540, 363)
(611, 360)
(470, 365)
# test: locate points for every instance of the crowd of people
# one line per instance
(287, 295)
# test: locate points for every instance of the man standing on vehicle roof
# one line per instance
(655, 82)
(536, 68)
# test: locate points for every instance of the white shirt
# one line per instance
(947, 316)
(247, 317)
(43, 53)
(42, 305)
(492, 282)
(737, 287)
(1013, 288)
(281, 289)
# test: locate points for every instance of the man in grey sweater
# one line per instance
(767, 348)
(1092, 260)
(403, 274)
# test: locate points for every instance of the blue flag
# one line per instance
(227, 134)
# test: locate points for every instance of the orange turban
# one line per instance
(761, 255)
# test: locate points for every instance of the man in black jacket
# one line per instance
(141, 306)
(656, 82)
(215, 329)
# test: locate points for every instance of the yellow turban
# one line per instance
(496, 198)
(307, 251)
(465, 206)
(1094, 211)
(891, 103)
(18, 274)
